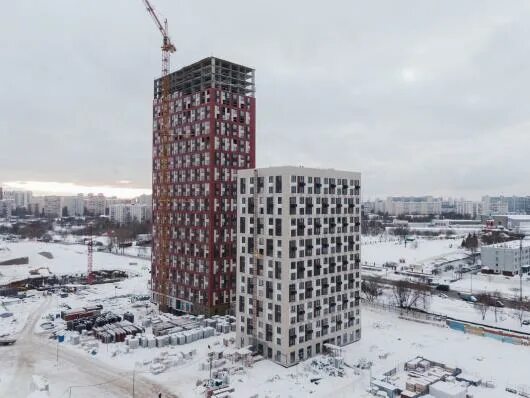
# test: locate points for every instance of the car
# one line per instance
(526, 322)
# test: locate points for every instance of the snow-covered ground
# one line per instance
(375, 252)
(428, 252)
(65, 259)
(386, 340)
(507, 286)
(11, 325)
(506, 318)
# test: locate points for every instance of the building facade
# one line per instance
(20, 199)
(212, 135)
(506, 258)
(95, 204)
(6, 208)
(53, 206)
(75, 205)
(422, 205)
(298, 261)
(468, 208)
(494, 205)
(518, 204)
(127, 213)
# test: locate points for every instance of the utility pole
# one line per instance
(210, 357)
(521, 270)
(133, 380)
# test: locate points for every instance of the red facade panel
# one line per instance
(213, 136)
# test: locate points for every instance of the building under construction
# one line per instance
(208, 136)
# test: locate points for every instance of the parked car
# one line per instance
(499, 304)
(468, 297)
(526, 322)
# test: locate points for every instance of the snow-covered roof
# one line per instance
(522, 217)
(449, 389)
(513, 244)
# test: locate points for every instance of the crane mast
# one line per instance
(90, 250)
(161, 188)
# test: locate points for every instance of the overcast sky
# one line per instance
(422, 97)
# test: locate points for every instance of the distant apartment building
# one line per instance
(20, 199)
(95, 204)
(518, 204)
(507, 258)
(143, 200)
(448, 206)
(127, 213)
(109, 202)
(422, 205)
(468, 208)
(53, 206)
(493, 205)
(6, 208)
(374, 206)
(298, 261)
(36, 205)
(75, 205)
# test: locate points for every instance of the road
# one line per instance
(77, 375)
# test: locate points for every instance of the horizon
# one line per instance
(51, 188)
(122, 190)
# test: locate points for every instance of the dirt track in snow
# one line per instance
(77, 375)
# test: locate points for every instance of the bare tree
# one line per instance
(371, 289)
(409, 295)
(522, 311)
(483, 304)
(496, 300)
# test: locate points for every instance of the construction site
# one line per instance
(250, 284)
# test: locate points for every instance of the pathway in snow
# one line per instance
(35, 354)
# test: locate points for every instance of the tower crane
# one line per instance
(167, 45)
(161, 177)
(90, 250)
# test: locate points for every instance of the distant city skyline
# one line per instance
(67, 188)
(125, 190)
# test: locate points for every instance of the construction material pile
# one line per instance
(181, 338)
(115, 332)
(81, 313)
(326, 366)
(87, 323)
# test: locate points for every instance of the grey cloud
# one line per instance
(422, 97)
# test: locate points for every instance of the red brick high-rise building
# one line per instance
(211, 136)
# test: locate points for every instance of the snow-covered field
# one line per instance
(507, 286)
(459, 309)
(11, 325)
(421, 251)
(386, 340)
(427, 252)
(65, 259)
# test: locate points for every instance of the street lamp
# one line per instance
(210, 358)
